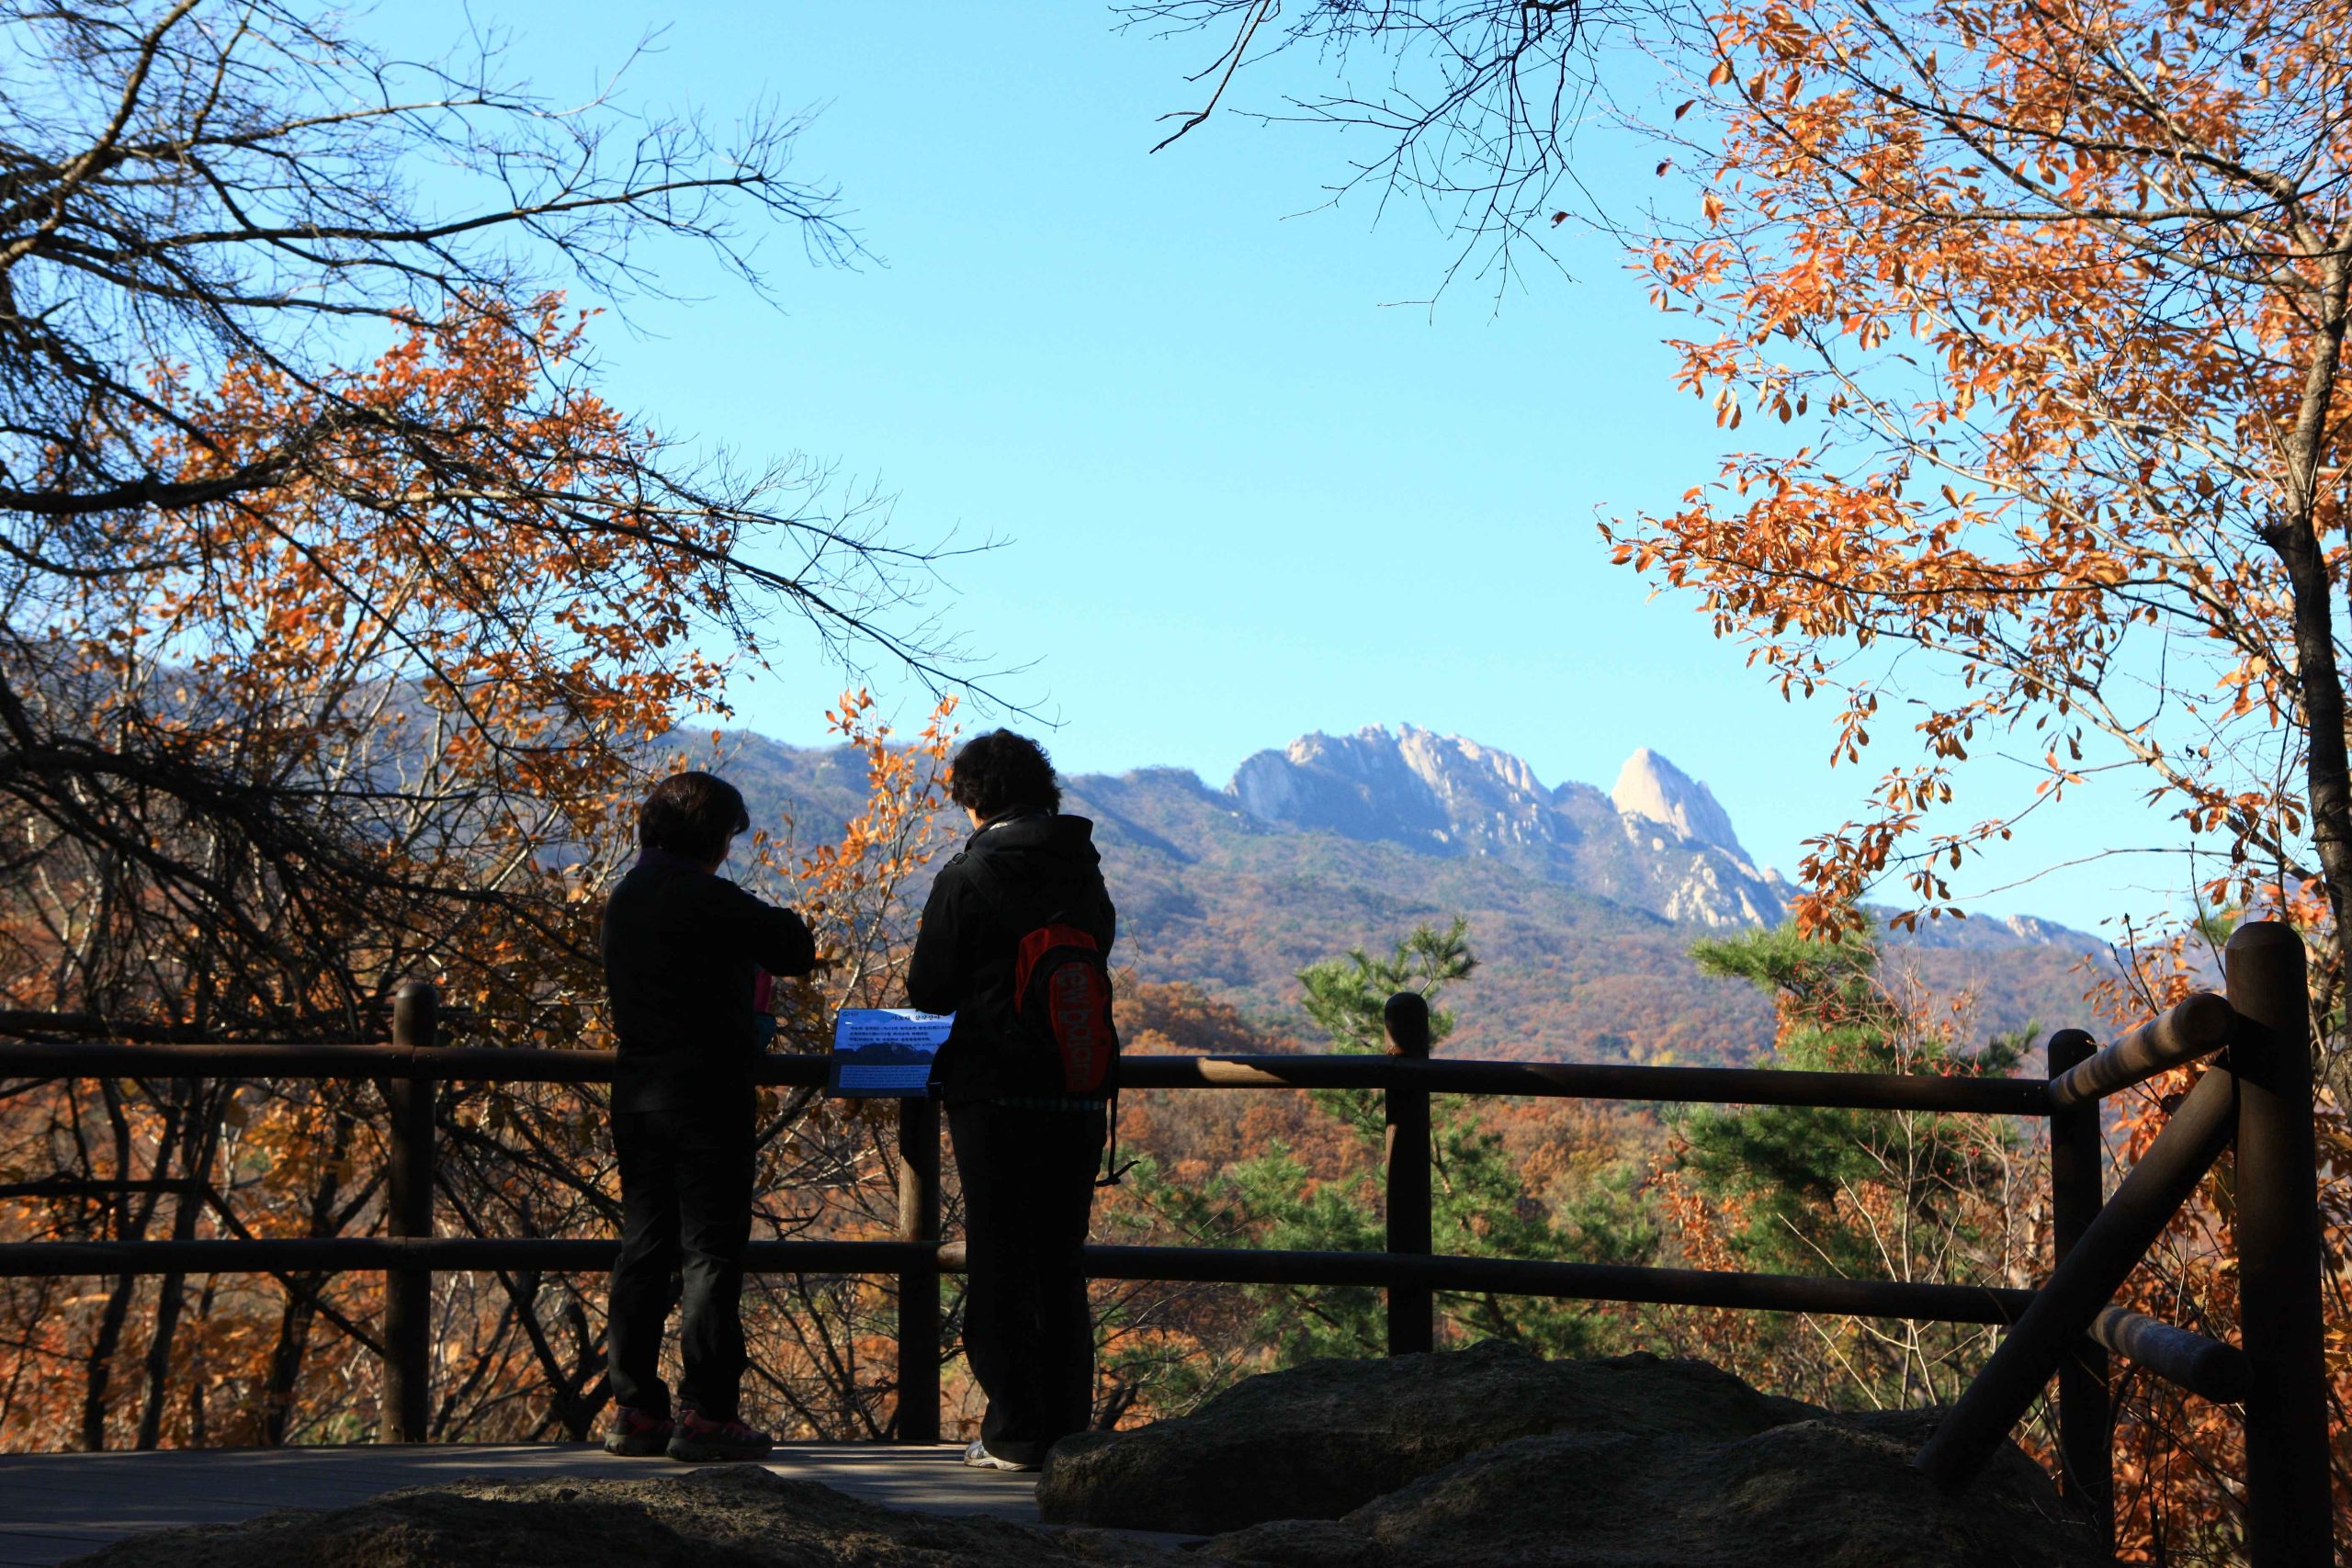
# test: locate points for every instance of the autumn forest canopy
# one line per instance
(349, 609)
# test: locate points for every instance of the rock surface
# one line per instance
(1838, 1492)
(1442, 794)
(1665, 844)
(1485, 1458)
(731, 1517)
(1327, 1437)
(1654, 789)
(1494, 1458)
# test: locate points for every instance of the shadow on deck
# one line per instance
(54, 1507)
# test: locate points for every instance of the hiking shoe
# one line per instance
(636, 1434)
(978, 1458)
(701, 1440)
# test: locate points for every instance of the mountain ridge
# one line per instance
(1719, 882)
(1583, 905)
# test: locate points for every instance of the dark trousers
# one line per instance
(1028, 1181)
(686, 1210)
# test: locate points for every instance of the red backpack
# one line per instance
(1063, 1040)
(1061, 1006)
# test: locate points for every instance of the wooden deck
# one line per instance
(55, 1506)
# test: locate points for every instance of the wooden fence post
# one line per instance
(2060, 1313)
(2085, 1420)
(918, 1412)
(1412, 1309)
(408, 1211)
(2286, 1507)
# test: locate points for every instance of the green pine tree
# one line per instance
(1480, 1204)
(1914, 1195)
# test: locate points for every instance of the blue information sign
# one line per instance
(885, 1051)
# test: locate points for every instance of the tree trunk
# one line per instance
(294, 1324)
(98, 1364)
(130, 1225)
(2319, 679)
(201, 1137)
(199, 1431)
(286, 1364)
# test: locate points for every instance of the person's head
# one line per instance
(694, 816)
(1000, 772)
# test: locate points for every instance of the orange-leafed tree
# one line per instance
(435, 717)
(2035, 316)
(2030, 316)
(825, 1358)
(2037, 313)
(308, 505)
(340, 619)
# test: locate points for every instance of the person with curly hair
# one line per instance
(1027, 1149)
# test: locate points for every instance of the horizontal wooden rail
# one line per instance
(1575, 1080)
(2257, 1102)
(438, 1254)
(2205, 1366)
(464, 1064)
(1591, 1282)
(2194, 1027)
(1596, 1080)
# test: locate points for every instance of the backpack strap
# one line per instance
(986, 880)
(1113, 1170)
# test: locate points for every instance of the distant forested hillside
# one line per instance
(1215, 896)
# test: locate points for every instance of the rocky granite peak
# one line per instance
(1663, 844)
(1650, 787)
(1440, 792)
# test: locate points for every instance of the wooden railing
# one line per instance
(2258, 1096)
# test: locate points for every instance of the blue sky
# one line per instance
(1242, 495)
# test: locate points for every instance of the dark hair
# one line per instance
(1001, 771)
(692, 816)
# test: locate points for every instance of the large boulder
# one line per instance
(727, 1517)
(1838, 1492)
(1322, 1439)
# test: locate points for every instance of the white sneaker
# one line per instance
(978, 1458)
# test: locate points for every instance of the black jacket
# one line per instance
(1015, 875)
(680, 945)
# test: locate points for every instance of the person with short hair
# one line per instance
(683, 949)
(1027, 1155)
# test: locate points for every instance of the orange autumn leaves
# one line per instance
(388, 716)
(444, 634)
(2031, 318)
(2049, 301)
(855, 892)
(464, 518)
